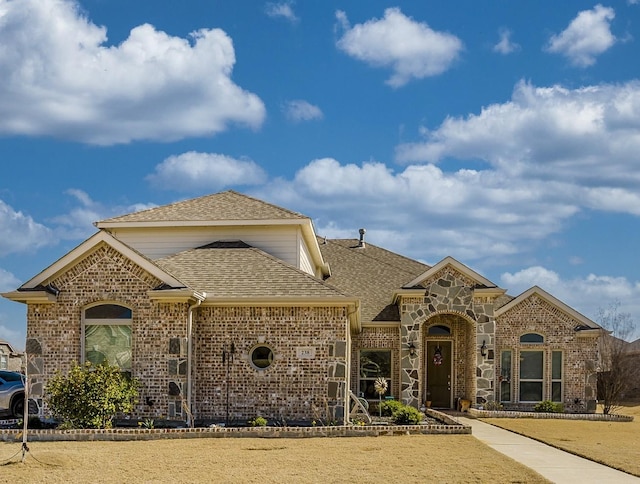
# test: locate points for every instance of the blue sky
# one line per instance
(504, 134)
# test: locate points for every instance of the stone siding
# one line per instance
(449, 294)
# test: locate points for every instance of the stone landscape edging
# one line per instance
(53, 435)
(474, 412)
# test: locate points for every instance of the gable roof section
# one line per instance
(236, 270)
(369, 273)
(221, 209)
(225, 207)
(584, 324)
(37, 289)
(458, 266)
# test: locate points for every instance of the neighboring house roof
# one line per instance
(369, 273)
(12, 350)
(235, 270)
(223, 206)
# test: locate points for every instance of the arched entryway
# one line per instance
(448, 370)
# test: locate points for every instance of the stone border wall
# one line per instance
(544, 415)
(82, 435)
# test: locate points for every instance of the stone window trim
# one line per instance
(105, 321)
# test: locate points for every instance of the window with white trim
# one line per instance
(106, 334)
(374, 364)
(531, 375)
(4, 361)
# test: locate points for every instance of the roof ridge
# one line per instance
(225, 205)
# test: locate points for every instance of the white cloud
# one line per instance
(476, 213)
(205, 171)
(587, 139)
(61, 79)
(505, 45)
(78, 222)
(8, 281)
(586, 294)
(411, 49)
(281, 10)
(300, 110)
(587, 36)
(19, 232)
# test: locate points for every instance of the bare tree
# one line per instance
(617, 372)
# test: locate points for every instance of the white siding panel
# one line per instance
(157, 242)
(306, 263)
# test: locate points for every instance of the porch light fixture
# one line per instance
(483, 348)
(412, 349)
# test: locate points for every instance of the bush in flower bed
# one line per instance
(407, 415)
(390, 406)
(548, 406)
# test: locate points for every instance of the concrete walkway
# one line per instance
(556, 465)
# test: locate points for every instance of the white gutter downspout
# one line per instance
(190, 422)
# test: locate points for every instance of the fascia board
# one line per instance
(280, 301)
(92, 244)
(30, 297)
(176, 295)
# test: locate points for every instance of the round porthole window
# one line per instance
(262, 357)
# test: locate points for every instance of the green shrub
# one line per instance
(407, 415)
(90, 396)
(258, 422)
(389, 406)
(548, 406)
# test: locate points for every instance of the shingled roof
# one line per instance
(234, 269)
(369, 273)
(223, 206)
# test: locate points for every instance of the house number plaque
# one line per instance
(306, 352)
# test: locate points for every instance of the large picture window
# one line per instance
(374, 364)
(107, 335)
(531, 376)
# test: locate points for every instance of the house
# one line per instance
(10, 359)
(228, 307)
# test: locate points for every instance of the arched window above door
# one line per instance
(439, 330)
(531, 338)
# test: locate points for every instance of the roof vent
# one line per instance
(361, 242)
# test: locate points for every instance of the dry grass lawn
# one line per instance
(411, 458)
(616, 444)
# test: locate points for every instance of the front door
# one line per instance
(439, 378)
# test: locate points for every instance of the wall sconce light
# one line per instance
(483, 348)
(412, 349)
